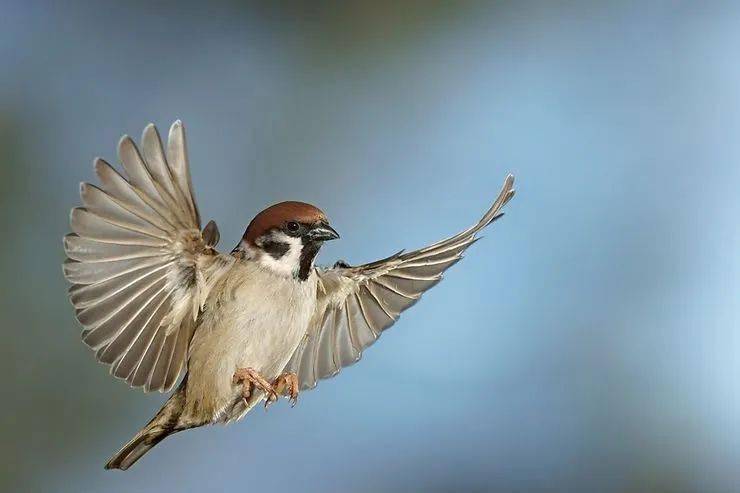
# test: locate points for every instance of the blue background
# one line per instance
(588, 343)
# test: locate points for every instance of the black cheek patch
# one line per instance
(276, 249)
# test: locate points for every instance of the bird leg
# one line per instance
(250, 379)
(287, 385)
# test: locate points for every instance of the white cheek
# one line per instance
(290, 263)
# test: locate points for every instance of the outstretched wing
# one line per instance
(356, 304)
(141, 269)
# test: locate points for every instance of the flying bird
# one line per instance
(157, 299)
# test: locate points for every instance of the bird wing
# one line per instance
(139, 265)
(356, 304)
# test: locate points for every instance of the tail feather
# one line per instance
(133, 450)
(165, 423)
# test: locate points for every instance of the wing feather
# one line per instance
(178, 159)
(142, 180)
(179, 355)
(134, 252)
(159, 372)
(307, 363)
(105, 320)
(84, 295)
(134, 200)
(103, 205)
(356, 304)
(362, 332)
(93, 227)
(129, 358)
(148, 362)
(325, 349)
(148, 319)
(90, 251)
(94, 272)
(159, 168)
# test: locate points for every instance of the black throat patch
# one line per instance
(308, 254)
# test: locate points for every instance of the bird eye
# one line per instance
(293, 226)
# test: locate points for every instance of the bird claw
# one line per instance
(287, 385)
(251, 379)
(271, 397)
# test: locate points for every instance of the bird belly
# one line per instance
(256, 327)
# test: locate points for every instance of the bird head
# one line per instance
(286, 238)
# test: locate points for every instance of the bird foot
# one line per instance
(287, 385)
(250, 380)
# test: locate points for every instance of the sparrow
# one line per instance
(156, 298)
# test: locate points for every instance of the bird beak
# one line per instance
(322, 232)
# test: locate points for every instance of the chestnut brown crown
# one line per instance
(276, 216)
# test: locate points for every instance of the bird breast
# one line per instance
(255, 319)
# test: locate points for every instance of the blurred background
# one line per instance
(588, 343)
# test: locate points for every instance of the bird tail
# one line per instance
(165, 423)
